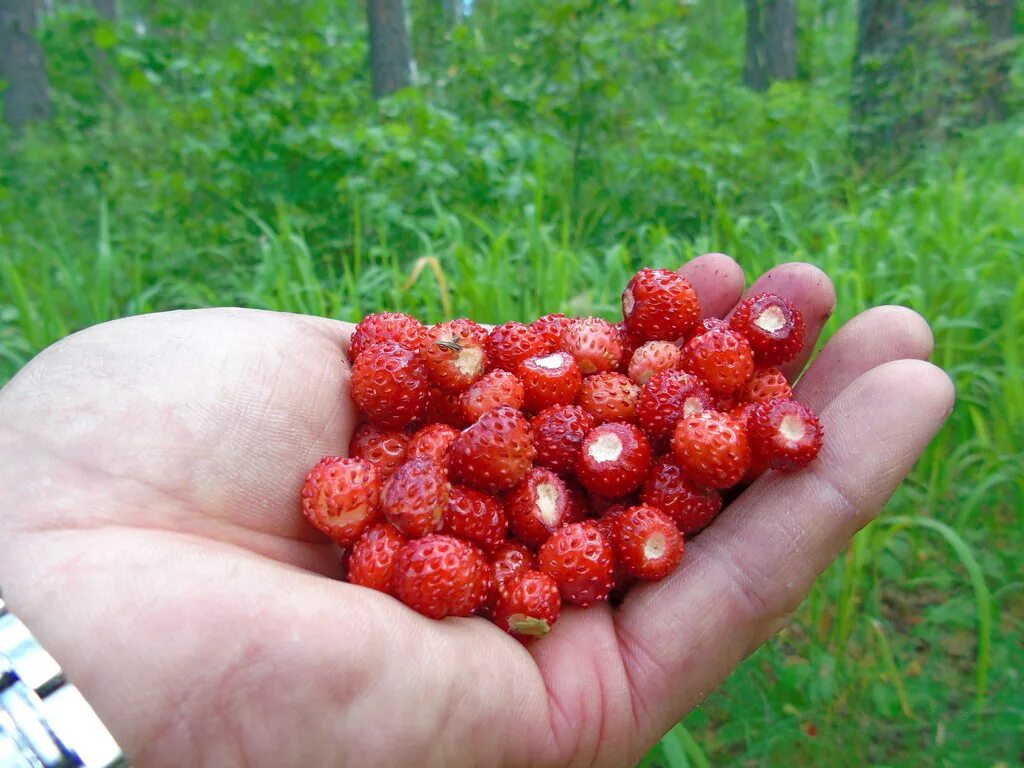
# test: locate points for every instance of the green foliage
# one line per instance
(210, 155)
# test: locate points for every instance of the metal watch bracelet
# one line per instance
(44, 720)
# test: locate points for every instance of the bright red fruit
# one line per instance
(384, 448)
(705, 325)
(557, 434)
(551, 328)
(389, 384)
(630, 344)
(475, 516)
(510, 559)
(614, 459)
(432, 442)
(494, 453)
(647, 543)
(785, 433)
(528, 606)
(341, 497)
(415, 497)
(581, 561)
(773, 326)
(669, 489)
(537, 506)
(667, 398)
(766, 384)
(549, 379)
(371, 563)
(609, 397)
(712, 447)
(496, 388)
(454, 354)
(653, 357)
(722, 358)
(444, 408)
(387, 326)
(659, 305)
(511, 343)
(440, 576)
(594, 343)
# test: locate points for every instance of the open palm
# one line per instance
(150, 536)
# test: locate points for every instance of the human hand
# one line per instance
(150, 537)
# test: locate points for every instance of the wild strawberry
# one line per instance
(787, 434)
(766, 384)
(371, 562)
(665, 399)
(609, 397)
(651, 358)
(722, 358)
(496, 388)
(712, 447)
(705, 325)
(440, 576)
(389, 384)
(494, 453)
(415, 497)
(549, 379)
(606, 522)
(669, 489)
(581, 561)
(557, 434)
(509, 344)
(454, 354)
(384, 448)
(577, 506)
(510, 559)
(537, 506)
(387, 326)
(529, 606)
(341, 497)
(551, 328)
(630, 344)
(444, 408)
(475, 516)
(603, 506)
(659, 305)
(614, 459)
(431, 442)
(773, 326)
(594, 343)
(647, 543)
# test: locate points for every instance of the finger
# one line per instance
(879, 335)
(718, 281)
(681, 637)
(811, 291)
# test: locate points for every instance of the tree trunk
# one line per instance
(390, 62)
(771, 43)
(22, 65)
(107, 9)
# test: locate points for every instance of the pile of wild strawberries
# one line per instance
(500, 472)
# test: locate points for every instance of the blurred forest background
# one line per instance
(504, 159)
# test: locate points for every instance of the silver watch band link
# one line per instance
(44, 720)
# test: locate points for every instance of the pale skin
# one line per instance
(150, 536)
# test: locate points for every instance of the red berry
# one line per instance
(767, 384)
(659, 305)
(371, 563)
(341, 497)
(594, 343)
(647, 543)
(630, 344)
(712, 447)
(444, 408)
(508, 560)
(669, 489)
(557, 435)
(653, 357)
(667, 398)
(551, 328)
(494, 389)
(494, 453)
(529, 606)
(475, 516)
(432, 442)
(537, 506)
(722, 358)
(785, 433)
(773, 326)
(581, 561)
(509, 344)
(705, 325)
(549, 379)
(614, 459)
(387, 326)
(577, 505)
(441, 576)
(415, 497)
(454, 354)
(609, 397)
(389, 384)
(384, 448)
